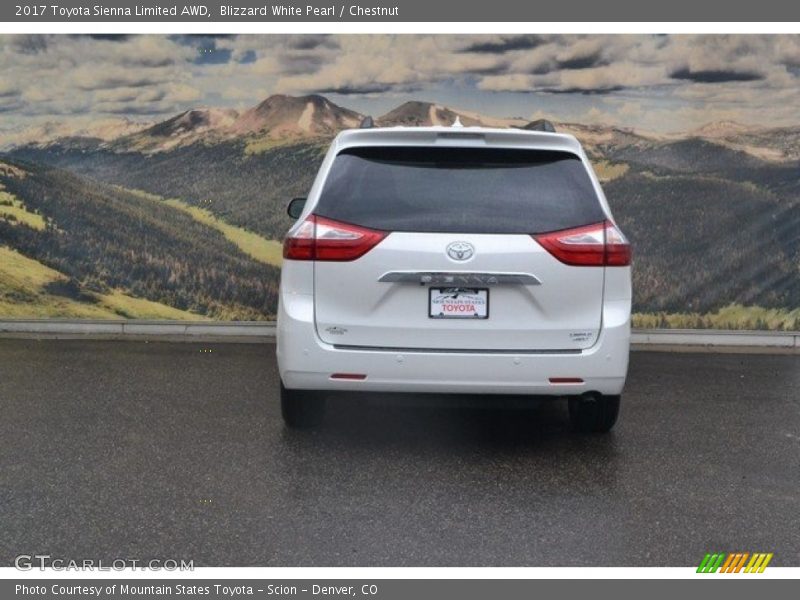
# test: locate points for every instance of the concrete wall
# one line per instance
(264, 331)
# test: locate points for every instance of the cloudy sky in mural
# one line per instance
(659, 83)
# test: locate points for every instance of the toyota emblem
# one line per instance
(460, 251)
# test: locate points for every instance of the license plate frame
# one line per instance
(479, 293)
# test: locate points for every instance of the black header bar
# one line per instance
(465, 11)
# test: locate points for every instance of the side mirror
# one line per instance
(295, 207)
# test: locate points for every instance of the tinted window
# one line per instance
(459, 190)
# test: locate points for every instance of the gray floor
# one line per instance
(133, 450)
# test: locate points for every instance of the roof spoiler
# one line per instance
(538, 125)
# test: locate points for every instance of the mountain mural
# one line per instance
(185, 214)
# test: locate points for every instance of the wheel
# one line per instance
(302, 409)
(593, 413)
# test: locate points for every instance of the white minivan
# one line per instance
(455, 260)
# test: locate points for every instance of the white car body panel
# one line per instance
(562, 312)
(336, 317)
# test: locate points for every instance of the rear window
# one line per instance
(459, 190)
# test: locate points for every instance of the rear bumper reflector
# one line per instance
(350, 376)
(562, 380)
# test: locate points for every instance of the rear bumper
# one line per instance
(305, 362)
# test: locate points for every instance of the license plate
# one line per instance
(458, 303)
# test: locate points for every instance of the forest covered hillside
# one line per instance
(97, 240)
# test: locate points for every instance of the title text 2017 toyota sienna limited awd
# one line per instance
(457, 260)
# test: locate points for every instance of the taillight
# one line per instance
(300, 245)
(319, 238)
(596, 245)
(618, 248)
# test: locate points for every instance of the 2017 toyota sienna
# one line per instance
(457, 260)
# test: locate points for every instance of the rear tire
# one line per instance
(302, 409)
(593, 413)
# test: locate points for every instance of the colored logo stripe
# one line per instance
(741, 562)
(733, 562)
(711, 562)
(758, 563)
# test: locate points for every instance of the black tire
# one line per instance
(593, 413)
(302, 409)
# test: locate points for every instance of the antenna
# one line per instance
(367, 123)
(457, 122)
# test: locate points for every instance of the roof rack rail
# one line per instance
(540, 125)
(367, 123)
